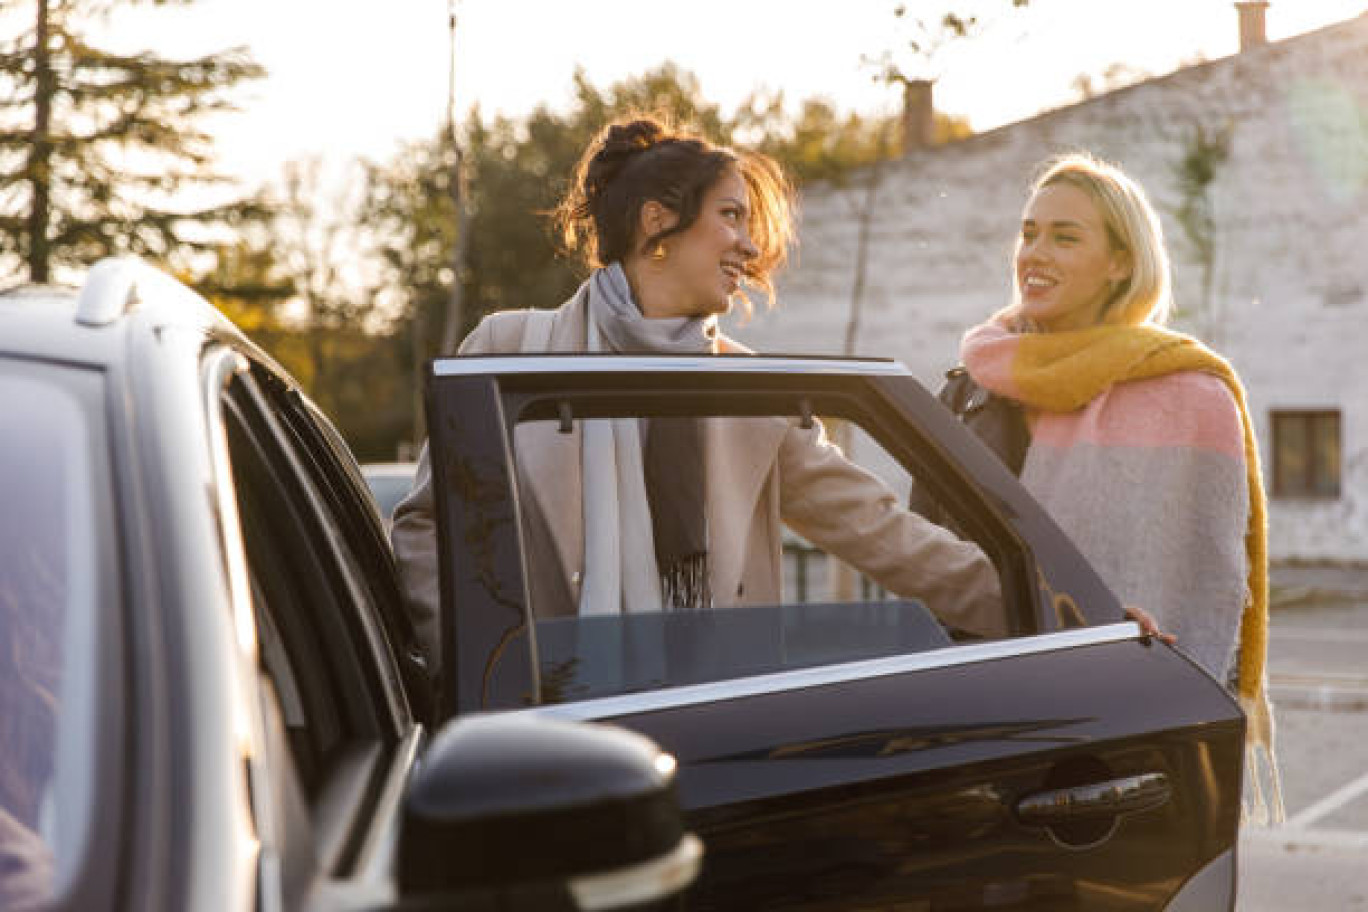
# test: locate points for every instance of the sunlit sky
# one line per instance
(352, 78)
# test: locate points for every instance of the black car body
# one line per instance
(243, 704)
(871, 761)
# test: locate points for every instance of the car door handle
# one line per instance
(1100, 799)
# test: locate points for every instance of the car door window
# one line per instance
(815, 609)
(510, 475)
(344, 497)
(811, 572)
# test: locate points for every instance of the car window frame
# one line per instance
(353, 784)
(475, 402)
(344, 494)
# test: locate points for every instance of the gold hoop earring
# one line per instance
(658, 253)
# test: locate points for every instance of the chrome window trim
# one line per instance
(783, 681)
(375, 858)
(712, 364)
(650, 881)
(221, 366)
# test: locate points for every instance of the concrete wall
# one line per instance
(1289, 299)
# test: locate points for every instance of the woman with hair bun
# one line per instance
(683, 513)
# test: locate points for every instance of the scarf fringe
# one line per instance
(684, 584)
(1262, 801)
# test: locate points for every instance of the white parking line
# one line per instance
(1329, 804)
(1314, 635)
(1319, 679)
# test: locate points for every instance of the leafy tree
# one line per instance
(517, 171)
(246, 281)
(1115, 76)
(363, 384)
(820, 143)
(96, 146)
(296, 281)
(410, 209)
(667, 90)
(316, 234)
(926, 38)
(1203, 155)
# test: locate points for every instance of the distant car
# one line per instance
(389, 483)
(210, 694)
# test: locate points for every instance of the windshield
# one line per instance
(48, 574)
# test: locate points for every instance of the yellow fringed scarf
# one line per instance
(1064, 371)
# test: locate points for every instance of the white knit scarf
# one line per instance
(621, 574)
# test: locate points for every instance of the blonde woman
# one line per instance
(1140, 445)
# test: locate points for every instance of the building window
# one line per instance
(1306, 453)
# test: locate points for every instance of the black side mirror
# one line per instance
(520, 811)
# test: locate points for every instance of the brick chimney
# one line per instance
(918, 115)
(1252, 32)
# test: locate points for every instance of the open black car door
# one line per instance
(848, 757)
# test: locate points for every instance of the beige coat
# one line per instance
(761, 473)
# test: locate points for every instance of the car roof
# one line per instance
(40, 321)
(90, 325)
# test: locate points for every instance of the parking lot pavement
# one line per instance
(1320, 874)
(1316, 584)
(1318, 669)
(1324, 759)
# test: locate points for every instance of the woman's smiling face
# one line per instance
(1066, 267)
(705, 264)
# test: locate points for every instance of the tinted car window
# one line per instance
(823, 611)
(360, 542)
(50, 589)
(285, 567)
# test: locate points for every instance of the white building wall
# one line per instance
(1289, 302)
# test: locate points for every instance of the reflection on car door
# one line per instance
(981, 779)
(1074, 765)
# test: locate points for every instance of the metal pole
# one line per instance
(455, 315)
(454, 318)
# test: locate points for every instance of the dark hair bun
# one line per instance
(618, 146)
(634, 135)
(645, 159)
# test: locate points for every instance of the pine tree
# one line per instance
(96, 147)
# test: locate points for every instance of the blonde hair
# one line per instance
(1132, 226)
